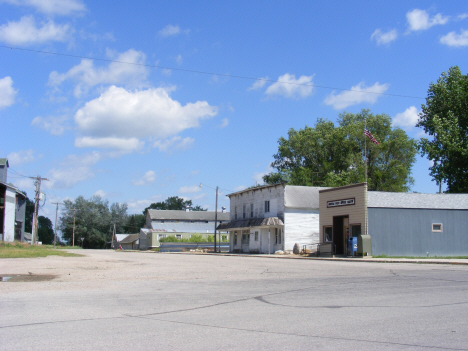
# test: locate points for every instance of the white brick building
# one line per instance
(274, 217)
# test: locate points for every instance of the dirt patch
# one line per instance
(26, 278)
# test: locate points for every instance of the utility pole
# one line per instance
(36, 207)
(74, 213)
(216, 219)
(56, 213)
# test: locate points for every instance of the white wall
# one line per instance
(301, 227)
(10, 211)
(257, 197)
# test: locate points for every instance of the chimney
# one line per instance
(187, 208)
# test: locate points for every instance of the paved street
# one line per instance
(143, 301)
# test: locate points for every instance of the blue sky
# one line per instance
(158, 127)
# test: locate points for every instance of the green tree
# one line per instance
(29, 213)
(329, 155)
(93, 221)
(45, 230)
(173, 203)
(444, 118)
(134, 223)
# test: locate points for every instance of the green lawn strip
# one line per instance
(423, 257)
(21, 250)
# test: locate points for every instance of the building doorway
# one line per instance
(340, 230)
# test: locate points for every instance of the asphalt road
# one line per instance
(144, 301)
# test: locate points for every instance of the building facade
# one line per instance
(271, 218)
(398, 224)
(179, 223)
(12, 208)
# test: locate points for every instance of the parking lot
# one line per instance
(140, 301)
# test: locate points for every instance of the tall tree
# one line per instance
(29, 213)
(93, 221)
(45, 230)
(329, 155)
(444, 118)
(173, 203)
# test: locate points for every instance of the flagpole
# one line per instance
(365, 146)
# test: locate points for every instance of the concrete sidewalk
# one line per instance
(422, 260)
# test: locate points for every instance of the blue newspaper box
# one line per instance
(352, 246)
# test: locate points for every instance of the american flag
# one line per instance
(370, 136)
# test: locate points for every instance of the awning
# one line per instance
(252, 222)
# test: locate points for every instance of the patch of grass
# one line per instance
(24, 250)
(156, 249)
(422, 257)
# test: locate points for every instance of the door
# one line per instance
(339, 234)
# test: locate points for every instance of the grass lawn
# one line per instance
(24, 250)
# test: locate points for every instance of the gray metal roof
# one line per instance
(415, 200)
(130, 238)
(183, 227)
(306, 197)
(190, 215)
(251, 222)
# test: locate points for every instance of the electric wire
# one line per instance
(207, 73)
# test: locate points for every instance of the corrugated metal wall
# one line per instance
(408, 232)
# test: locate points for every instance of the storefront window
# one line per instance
(327, 234)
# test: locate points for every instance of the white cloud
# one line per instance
(136, 206)
(151, 113)
(179, 59)
(126, 145)
(170, 31)
(195, 172)
(454, 39)
(100, 193)
(26, 32)
(407, 119)
(224, 123)
(420, 20)
(53, 125)
(356, 95)
(74, 169)
(384, 37)
(7, 93)
(175, 143)
(52, 7)
(240, 188)
(86, 75)
(290, 87)
(462, 16)
(148, 178)
(190, 189)
(21, 157)
(258, 84)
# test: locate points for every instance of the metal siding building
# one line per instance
(401, 224)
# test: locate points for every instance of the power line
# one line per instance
(208, 73)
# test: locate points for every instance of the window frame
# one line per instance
(441, 230)
(324, 234)
(267, 206)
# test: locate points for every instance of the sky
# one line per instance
(136, 101)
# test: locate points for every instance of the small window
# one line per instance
(251, 210)
(256, 236)
(327, 234)
(245, 239)
(178, 236)
(437, 227)
(267, 206)
(160, 236)
(356, 230)
(235, 213)
(243, 212)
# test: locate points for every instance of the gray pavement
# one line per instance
(142, 301)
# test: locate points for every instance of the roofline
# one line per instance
(343, 187)
(260, 187)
